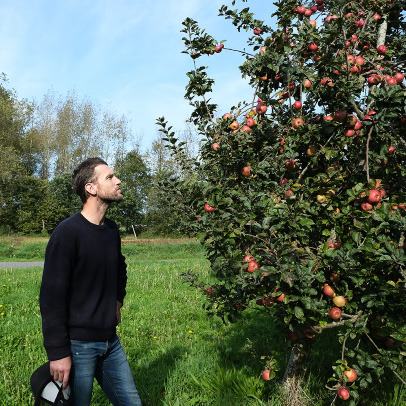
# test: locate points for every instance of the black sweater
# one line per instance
(84, 277)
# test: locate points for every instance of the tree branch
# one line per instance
(353, 319)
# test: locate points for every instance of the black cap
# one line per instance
(47, 391)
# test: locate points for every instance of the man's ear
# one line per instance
(89, 187)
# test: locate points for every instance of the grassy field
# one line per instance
(179, 356)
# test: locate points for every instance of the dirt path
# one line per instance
(5, 265)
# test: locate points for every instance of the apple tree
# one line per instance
(303, 188)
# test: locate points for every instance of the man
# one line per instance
(82, 291)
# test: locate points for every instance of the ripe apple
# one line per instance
(321, 199)
(351, 59)
(366, 206)
(340, 116)
(351, 375)
(335, 313)
(311, 150)
(246, 171)
(283, 181)
(246, 128)
(234, 125)
(374, 196)
(262, 50)
(309, 333)
(339, 301)
(313, 47)
(312, 22)
(290, 165)
(289, 192)
(248, 258)
(226, 116)
(359, 60)
(382, 49)
(257, 31)
(349, 132)
(209, 291)
(343, 393)
(293, 336)
(328, 290)
(297, 105)
(297, 122)
(399, 77)
(308, 12)
(218, 48)
(250, 122)
(215, 146)
(252, 266)
(376, 18)
(266, 375)
(209, 208)
(307, 83)
(261, 108)
(301, 10)
(391, 149)
(334, 277)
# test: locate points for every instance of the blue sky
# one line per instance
(123, 53)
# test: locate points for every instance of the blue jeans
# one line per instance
(107, 362)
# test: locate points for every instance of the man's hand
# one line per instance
(118, 312)
(60, 370)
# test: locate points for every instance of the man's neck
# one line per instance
(94, 211)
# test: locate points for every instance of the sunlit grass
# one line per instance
(178, 355)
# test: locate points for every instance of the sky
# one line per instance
(124, 54)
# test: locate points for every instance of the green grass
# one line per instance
(179, 356)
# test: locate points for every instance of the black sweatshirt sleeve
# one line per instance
(54, 297)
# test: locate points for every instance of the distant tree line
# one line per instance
(41, 143)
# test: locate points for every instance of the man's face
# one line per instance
(107, 184)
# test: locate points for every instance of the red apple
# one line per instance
(218, 48)
(309, 333)
(290, 165)
(307, 83)
(248, 258)
(376, 18)
(215, 146)
(391, 149)
(250, 122)
(351, 375)
(399, 77)
(257, 31)
(301, 10)
(313, 47)
(266, 375)
(283, 181)
(252, 266)
(374, 196)
(366, 206)
(297, 105)
(297, 122)
(343, 393)
(312, 22)
(226, 116)
(359, 60)
(246, 128)
(382, 49)
(334, 277)
(246, 171)
(340, 116)
(209, 208)
(335, 313)
(328, 290)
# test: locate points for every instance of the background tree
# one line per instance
(136, 181)
(303, 193)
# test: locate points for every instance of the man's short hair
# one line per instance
(84, 174)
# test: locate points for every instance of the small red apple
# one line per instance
(343, 393)
(335, 313)
(399, 77)
(297, 122)
(366, 206)
(209, 208)
(374, 196)
(382, 49)
(250, 122)
(234, 125)
(266, 375)
(215, 146)
(257, 31)
(290, 165)
(226, 116)
(297, 105)
(328, 290)
(391, 149)
(307, 83)
(246, 171)
(252, 266)
(340, 116)
(301, 10)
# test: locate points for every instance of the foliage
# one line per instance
(28, 206)
(305, 186)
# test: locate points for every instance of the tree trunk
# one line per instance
(294, 373)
